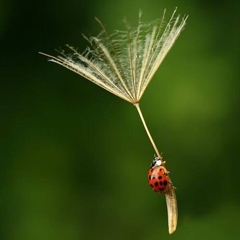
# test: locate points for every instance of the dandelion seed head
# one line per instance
(125, 61)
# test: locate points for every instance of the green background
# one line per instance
(74, 158)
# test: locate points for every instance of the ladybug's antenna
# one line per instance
(147, 131)
(156, 157)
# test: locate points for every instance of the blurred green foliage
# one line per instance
(74, 158)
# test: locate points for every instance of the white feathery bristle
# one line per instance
(124, 62)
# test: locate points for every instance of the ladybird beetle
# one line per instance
(158, 178)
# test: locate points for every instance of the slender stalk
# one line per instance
(147, 131)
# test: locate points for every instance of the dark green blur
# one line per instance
(74, 158)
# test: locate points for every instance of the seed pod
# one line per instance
(172, 210)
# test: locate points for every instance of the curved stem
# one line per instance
(147, 131)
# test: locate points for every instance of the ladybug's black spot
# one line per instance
(149, 177)
(161, 183)
(151, 185)
(165, 183)
(160, 177)
(160, 169)
(151, 169)
(156, 184)
(161, 189)
(153, 176)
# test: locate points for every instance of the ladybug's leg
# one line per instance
(166, 173)
(172, 185)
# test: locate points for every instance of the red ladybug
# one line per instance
(158, 178)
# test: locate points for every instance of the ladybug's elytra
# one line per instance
(158, 178)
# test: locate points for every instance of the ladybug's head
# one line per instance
(156, 162)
